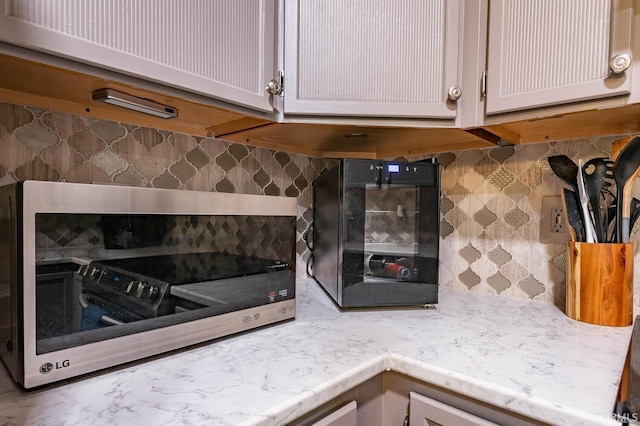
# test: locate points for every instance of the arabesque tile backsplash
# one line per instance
(491, 198)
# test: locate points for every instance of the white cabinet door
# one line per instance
(548, 52)
(220, 48)
(427, 411)
(371, 57)
(346, 415)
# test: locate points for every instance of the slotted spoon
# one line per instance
(597, 173)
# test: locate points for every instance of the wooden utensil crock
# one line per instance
(600, 283)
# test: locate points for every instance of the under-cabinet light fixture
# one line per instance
(134, 103)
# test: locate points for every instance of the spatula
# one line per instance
(572, 213)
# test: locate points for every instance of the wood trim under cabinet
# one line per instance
(585, 124)
(348, 141)
(26, 82)
(44, 86)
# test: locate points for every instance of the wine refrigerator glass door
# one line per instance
(391, 235)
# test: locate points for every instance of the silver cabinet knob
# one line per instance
(620, 63)
(454, 93)
(274, 87)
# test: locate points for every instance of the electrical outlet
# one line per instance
(557, 220)
(553, 222)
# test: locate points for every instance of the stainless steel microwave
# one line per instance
(92, 276)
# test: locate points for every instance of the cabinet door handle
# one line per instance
(620, 63)
(454, 93)
(276, 86)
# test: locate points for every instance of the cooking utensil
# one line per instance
(589, 231)
(596, 173)
(625, 171)
(565, 169)
(610, 223)
(572, 213)
(635, 212)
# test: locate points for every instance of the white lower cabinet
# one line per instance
(347, 415)
(393, 399)
(428, 411)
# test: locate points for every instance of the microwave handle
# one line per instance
(104, 320)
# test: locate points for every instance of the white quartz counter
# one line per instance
(524, 356)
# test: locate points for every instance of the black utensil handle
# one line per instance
(573, 212)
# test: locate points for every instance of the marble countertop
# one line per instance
(525, 356)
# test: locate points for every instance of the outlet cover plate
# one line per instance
(550, 233)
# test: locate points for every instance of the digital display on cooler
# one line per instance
(394, 168)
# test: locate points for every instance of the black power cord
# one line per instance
(307, 236)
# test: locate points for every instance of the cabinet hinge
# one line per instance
(276, 86)
(483, 84)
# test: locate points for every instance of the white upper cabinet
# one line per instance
(415, 62)
(549, 52)
(372, 58)
(223, 49)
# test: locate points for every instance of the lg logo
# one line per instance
(47, 367)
